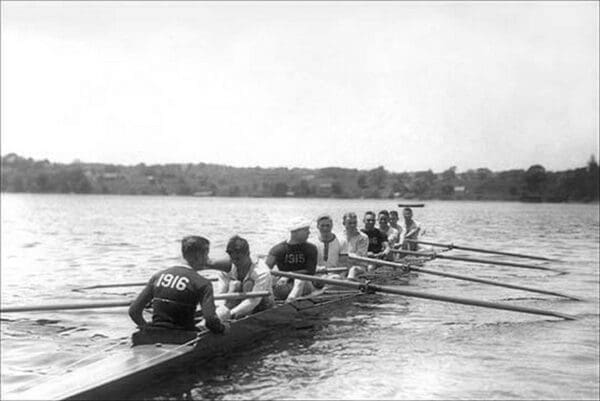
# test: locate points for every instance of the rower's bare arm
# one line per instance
(270, 262)
(412, 232)
(212, 321)
(262, 283)
(136, 308)
(386, 248)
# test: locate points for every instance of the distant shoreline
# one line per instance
(534, 185)
(394, 200)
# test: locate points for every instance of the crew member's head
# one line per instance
(383, 218)
(407, 213)
(324, 224)
(393, 217)
(350, 221)
(194, 250)
(299, 230)
(369, 220)
(238, 249)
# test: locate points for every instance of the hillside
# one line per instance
(21, 174)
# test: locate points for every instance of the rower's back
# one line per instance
(176, 292)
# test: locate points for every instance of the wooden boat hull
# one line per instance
(127, 371)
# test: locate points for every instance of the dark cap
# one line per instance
(194, 243)
(237, 244)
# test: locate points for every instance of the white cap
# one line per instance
(298, 223)
(324, 216)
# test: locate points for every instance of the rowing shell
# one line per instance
(128, 370)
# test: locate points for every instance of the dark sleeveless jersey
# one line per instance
(294, 257)
(376, 240)
(176, 292)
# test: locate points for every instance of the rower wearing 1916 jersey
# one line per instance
(175, 292)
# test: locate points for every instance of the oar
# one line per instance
(367, 287)
(460, 277)
(115, 285)
(333, 270)
(464, 248)
(434, 255)
(143, 283)
(117, 304)
(93, 287)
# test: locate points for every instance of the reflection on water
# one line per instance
(379, 347)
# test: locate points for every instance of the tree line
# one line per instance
(20, 174)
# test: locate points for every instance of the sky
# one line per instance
(407, 86)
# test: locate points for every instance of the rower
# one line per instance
(378, 241)
(294, 255)
(175, 293)
(392, 234)
(331, 252)
(356, 241)
(411, 231)
(245, 275)
(394, 224)
(377, 246)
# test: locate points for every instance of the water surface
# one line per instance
(382, 347)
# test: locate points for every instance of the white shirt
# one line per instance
(260, 275)
(358, 243)
(328, 254)
(392, 234)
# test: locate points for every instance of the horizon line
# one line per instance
(78, 161)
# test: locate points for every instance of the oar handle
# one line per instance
(117, 304)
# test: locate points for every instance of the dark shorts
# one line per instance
(281, 291)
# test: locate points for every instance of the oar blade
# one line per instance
(461, 277)
(481, 250)
(434, 255)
